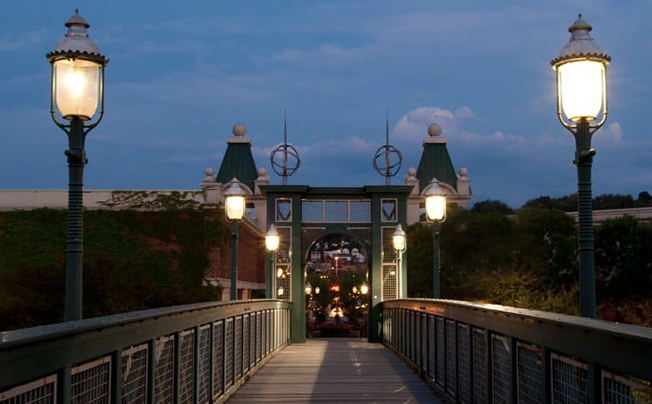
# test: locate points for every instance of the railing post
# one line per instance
(428, 347)
(64, 377)
(469, 331)
(151, 369)
(195, 362)
(457, 361)
(211, 352)
(594, 384)
(513, 367)
(175, 366)
(546, 396)
(490, 364)
(223, 348)
(116, 379)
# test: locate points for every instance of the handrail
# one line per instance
(203, 350)
(489, 351)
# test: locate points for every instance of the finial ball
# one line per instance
(412, 171)
(434, 130)
(239, 129)
(463, 171)
(262, 171)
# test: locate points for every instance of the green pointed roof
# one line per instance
(436, 162)
(238, 162)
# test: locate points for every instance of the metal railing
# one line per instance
(192, 354)
(481, 353)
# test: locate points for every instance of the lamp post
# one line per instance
(235, 210)
(435, 213)
(272, 241)
(77, 89)
(582, 109)
(400, 242)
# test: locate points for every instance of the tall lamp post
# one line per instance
(272, 242)
(400, 242)
(436, 213)
(77, 89)
(582, 109)
(235, 210)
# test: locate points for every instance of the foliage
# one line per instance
(624, 258)
(491, 205)
(568, 203)
(156, 200)
(133, 260)
(530, 260)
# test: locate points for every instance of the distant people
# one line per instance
(337, 319)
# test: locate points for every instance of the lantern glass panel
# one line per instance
(77, 87)
(235, 207)
(436, 207)
(580, 89)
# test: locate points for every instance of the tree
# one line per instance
(644, 200)
(567, 203)
(491, 205)
(624, 258)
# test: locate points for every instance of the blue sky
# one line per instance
(182, 73)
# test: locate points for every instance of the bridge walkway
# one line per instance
(337, 370)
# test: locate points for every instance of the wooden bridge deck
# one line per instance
(335, 371)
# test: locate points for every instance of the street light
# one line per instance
(436, 213)
(317, 290)
(272, 242)
(582, 109)
(400, 242)
(77, 89)
(234, 208)
(308, 288)
(364, 289)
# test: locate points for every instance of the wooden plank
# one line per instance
(335, 371)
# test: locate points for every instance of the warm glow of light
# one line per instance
(317, 290)
(364, 289)
(436, 207)
(308, 288)
(334, 288)
(272, 242)
(355, 289)
(279, 272)
(399, 242)
(280, 291)
(77, 87)
(580, 89)
(235, 207)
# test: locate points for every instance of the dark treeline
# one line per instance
(132, 261)
(528, 259)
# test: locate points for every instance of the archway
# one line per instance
(336, 273)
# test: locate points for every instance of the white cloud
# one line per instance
(612, 133)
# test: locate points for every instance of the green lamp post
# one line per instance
(399, 240)
(436, 213)
(272, 242)
(582, 109)
(234, 208)
(77, 89)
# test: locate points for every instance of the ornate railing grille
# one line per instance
(493, 354)
(181, 355)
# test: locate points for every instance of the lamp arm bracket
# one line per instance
(63, 126)
(92, 126)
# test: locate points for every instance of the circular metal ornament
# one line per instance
(285, 160)
(388, 160)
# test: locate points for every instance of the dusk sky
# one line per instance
(182, 73)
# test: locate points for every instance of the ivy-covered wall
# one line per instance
(133, 260)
